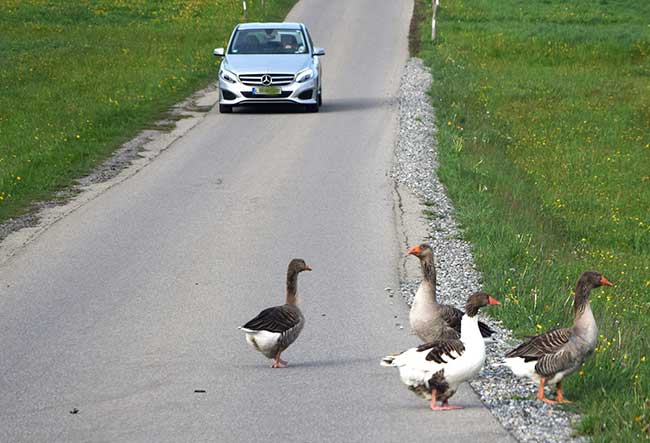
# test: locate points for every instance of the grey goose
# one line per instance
(274, 329)
(429, 319)
(548, 358)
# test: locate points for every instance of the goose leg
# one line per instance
(278, 362)
(540, 393)
(432, 403)
(560, 394)
(445, 405)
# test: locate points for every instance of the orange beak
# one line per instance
(493, 301)
(415, 250)
(605, 282)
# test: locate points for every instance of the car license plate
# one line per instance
(267, 90)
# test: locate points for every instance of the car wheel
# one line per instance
(320, 98)
(225, 109)
(312, 108)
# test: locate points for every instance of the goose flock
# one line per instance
(453, 348)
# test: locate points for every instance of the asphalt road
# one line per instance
(125, 307)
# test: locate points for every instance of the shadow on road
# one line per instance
(316, 363)
(356, 104)
(330, 363)
(333, 105)
(269, 109)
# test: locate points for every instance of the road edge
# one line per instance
(510, 400)
(129, 159)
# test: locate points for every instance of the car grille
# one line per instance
(276, 79)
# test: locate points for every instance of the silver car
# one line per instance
(270, 63)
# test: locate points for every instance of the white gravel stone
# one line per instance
(510, 399)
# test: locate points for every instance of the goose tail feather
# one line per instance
(388, 360)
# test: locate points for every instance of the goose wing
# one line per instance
(550, 364)
(539, 346)
(436, 350)
(275, 319)
(451, 316)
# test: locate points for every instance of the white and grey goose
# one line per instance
(435, 370)
(274, 329)
(549, 357)
(429, 319)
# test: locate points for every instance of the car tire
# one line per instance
(225, 109)
(320, 98)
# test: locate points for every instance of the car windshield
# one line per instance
(268, 41)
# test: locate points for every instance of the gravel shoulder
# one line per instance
(510, 399)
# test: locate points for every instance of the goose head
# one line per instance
(592, 279)
(297, 265)
(587, 281)
(477, 301)
(422, 251)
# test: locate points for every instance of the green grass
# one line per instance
(543, 111)
(79, 78)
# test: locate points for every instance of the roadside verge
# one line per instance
(130, 158)
(427, 214)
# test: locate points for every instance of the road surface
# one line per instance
(125, 307)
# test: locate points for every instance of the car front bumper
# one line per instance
(236, 94)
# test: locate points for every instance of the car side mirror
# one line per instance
(219, 52)
(319, 51)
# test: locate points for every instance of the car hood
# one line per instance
(267, 64)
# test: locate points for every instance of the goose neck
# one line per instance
(292, 288)
(469, 330)
(428, 270)
(581, 299)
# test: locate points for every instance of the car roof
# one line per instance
(282, 25)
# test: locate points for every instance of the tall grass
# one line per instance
(543, 111)
(78, 78)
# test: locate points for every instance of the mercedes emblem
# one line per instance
(266, 80)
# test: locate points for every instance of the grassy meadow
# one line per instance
(79, 78)
(543, 112)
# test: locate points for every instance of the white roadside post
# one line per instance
(433, 19)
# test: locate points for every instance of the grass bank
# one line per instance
(543, 111)
(79, 78)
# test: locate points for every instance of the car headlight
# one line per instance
(304, 75)
(228, 76)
